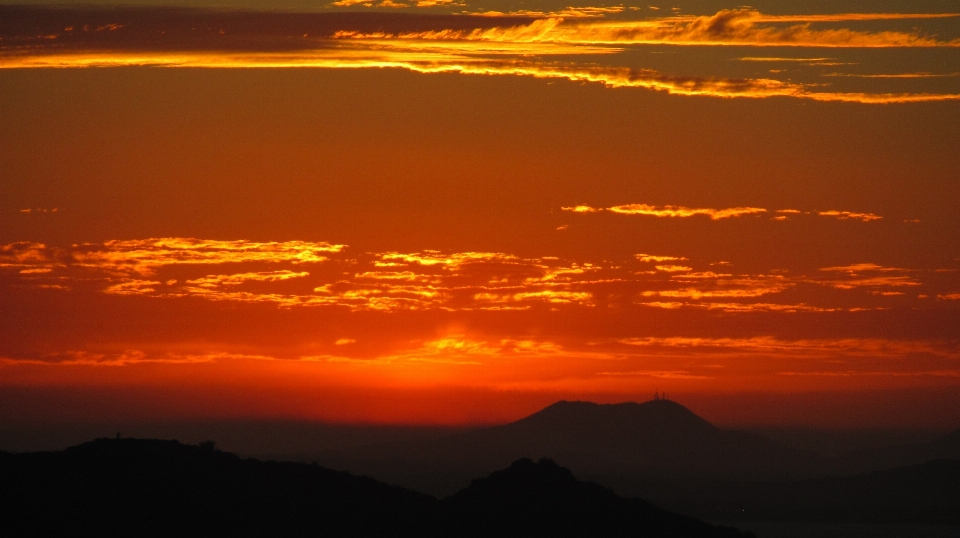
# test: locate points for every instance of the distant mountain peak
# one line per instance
(659, 413)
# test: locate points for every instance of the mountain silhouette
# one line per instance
(658, 438)
(531, 500)
(942, 448)
(134, 488)
(928, 493)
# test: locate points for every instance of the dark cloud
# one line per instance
(27, 29)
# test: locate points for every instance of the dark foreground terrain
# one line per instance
(134, 487)
(663, 452)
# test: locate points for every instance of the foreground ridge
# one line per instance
(148, 487)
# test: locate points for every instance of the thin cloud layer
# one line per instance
(741, 27)
(478, 45)
(532, 364)
(680, 211)
(671, 211)
(869, 275)
(301, 274)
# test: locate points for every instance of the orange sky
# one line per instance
(755, 210)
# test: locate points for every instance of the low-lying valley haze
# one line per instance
(422, 240)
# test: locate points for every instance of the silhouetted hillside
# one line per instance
(123, 487)
(132, 487)
(542, 499)
(928, 493)
(925, 493)
(657, 438)
(945, 447)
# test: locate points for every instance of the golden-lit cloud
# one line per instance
(725, 288)
(474, 45)
(30, 210)
(569, 12)
(810, 348)
(717, 214)
(273, 273)
(427, 62)
(894, 75)
(680, 211)
(766, 307)
(742, 27)
(782, 59)
(673, 268)
(581, 209)
(127, 358)
(868, 275)
(844, 215)
(657, 259)
(24, 254)
(145, 256)
(881, 373)
(212, 281)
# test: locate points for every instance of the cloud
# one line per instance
(867, 275)
(568, 13)
(443, 44)
(717, 214)
(126, 358)
(844, 215)
(381, 55)
(455, 350)
(581, 209)
(30, 210)
(212, 281)
(673, 268)
(894, 75)
(146, 255)
(782, 59)
(742, 27)
(272, 273)
(680, 211)
(652, 258)
(694, 293)
(660, 374)
(24, 254)
(873, 373)
(548, 296)
(450, 261)
(822, 348)
(133, 287)
(862, 267)
(671, 211)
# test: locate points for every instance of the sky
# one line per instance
(450, 213)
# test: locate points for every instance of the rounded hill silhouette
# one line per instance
(542, 499)
(658, 438)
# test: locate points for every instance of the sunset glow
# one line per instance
(438, 212)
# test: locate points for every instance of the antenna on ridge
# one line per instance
(656, 395)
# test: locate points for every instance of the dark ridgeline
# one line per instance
(928, 493)
(862, 461)
(134, 487)
(602, 442)
(663, 452)
(544, 499)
